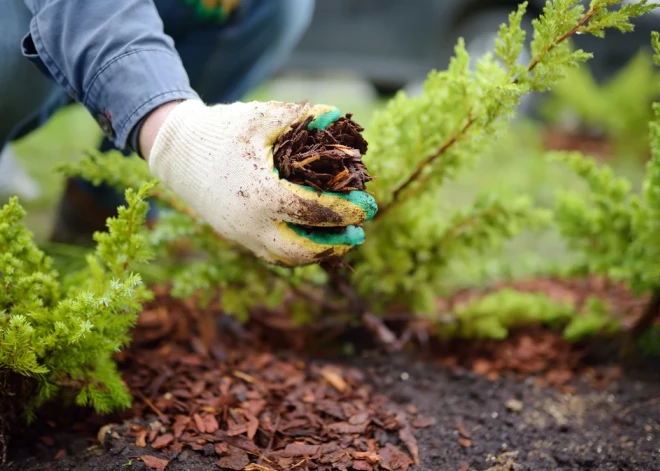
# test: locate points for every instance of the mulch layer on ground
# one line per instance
(591, 145)
(233, 402)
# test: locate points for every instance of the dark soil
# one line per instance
(327, 160)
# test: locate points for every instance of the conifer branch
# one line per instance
(585, 19)
(417, 175)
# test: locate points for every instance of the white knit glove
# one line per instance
(219, 160)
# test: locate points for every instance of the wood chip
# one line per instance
(258, 467)
(199, 423)
(210, 423)
(393, 459)
(332, 377)
(407, 437)
(141, 439)
(465, 442)
(424, 422)
(162, 441)
(345, 427)
(152, 462)
(362, 466)
(236, 460)
(463, 432)
(300, 449)
(47, 440)
(244, 376)
(368, 456)
(180, 424)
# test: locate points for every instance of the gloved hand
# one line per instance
(219, 160)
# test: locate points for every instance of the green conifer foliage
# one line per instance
(493, 315)
(620, 108)
(57, 342)
(419, 143)
(616, 230)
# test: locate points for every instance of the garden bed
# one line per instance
(238, 400)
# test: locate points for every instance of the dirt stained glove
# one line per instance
(219, 160)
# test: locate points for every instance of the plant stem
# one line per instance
(420, 168)
(651, 313)
(532, 65)
(470, 120)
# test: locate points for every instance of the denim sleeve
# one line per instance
(111, 55)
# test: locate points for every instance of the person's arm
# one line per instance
(112, 56)
(147, 132)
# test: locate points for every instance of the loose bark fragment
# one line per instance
(407, 437)
(47, 440)
(258, 467)
(368, 456)
(358, 419)
(460, 428)
(141, 439)
(154, 463)
(238, 442)
(334, 379)
(199, 423)
(210, 423)
(300, 449)
(236, 460)
(393, 459)
(252, 425)
(362, 466)
(345, 427)
(424, 422)
(221, 448)
(162, 441)
(180, 424)
(465, 442)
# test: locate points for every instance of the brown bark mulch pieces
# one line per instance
(258, 411)
(327, 160)
(540, 352)
(558, 139)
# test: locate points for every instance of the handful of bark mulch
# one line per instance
(328, 160)
(252, 410)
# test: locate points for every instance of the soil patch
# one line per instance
(511, 425)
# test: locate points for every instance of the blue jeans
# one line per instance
(223, 62)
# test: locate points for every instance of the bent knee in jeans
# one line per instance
(24, 90)
(229, 61)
